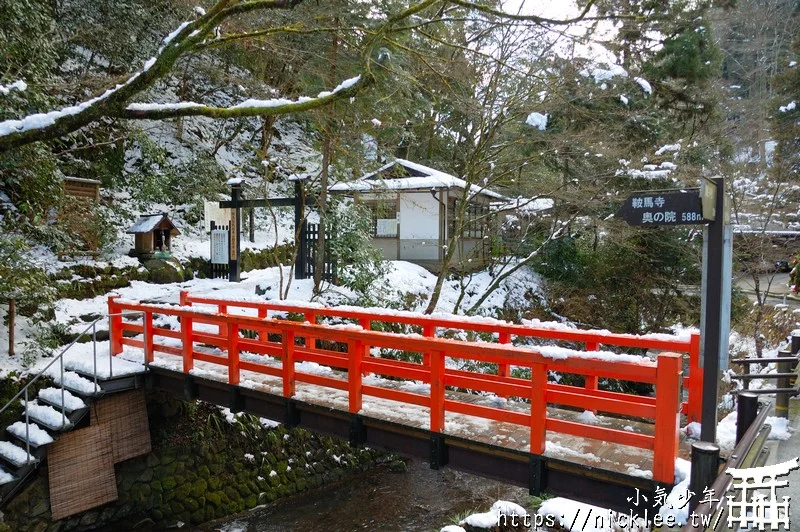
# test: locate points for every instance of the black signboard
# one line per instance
(666, 207)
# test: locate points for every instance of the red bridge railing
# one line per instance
(665, 373)
(592, 340)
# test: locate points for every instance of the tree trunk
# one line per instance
(322, 202)
(12, 311)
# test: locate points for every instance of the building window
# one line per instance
(476, 219)
(384, 218)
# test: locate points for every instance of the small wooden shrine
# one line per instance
(152, 233)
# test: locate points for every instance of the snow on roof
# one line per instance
(525, 205)
(81, 180)
(422, 176)
(148, 223)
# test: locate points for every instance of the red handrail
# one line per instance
(693, 382)
(665, 373)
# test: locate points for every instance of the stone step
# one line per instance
(76, 384)
(37, 436)
(48, 417)
(52, 396)
(6, 477)
(15, 455)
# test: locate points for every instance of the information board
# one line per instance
(219, 246)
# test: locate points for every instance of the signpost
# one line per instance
(708, 206)
(236, 203)
(664, 207)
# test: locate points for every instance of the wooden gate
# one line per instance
(308, 249)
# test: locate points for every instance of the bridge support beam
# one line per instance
(439, 453)
(538, 476)
(190, 392)
(358, 432)
(292, 416)
(236, 401)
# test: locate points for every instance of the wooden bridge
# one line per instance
(578, 441)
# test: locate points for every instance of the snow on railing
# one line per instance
(299, 343)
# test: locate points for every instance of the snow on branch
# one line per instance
(250, 107)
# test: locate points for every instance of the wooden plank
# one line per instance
(126, 416)
(81, 471)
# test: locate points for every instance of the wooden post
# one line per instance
(184, 297)
(236, 222)
(233, 353)
(782, 399)
(300, 229)
(667, 422)
(538, 408)
(437, 390)
(114, 326)
(148, 337)
(287, 363)
(12, 318)
(746, 412)
(186, 338)
(355, 358)
(705, 466)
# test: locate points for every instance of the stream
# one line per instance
(419, 499)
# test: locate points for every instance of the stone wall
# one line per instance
(202, 467)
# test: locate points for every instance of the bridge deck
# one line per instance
(589, 452)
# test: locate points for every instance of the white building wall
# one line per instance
(419, 226)
(419, 216)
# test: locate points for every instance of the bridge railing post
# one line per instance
(148, 337)
(590, 381)
(695, 395)
(287, 363)
(223, 327)
(355, 357)
(233, 353)
(538, 408)
(365, 324)
(114, 325)
(183, 298)
(667, 420)
(310, 341)
(504, 370)
(187, 341)
(262, 334)
(437, 390)
(428, 331)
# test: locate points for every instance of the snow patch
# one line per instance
(644, 84)
(537, 120)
